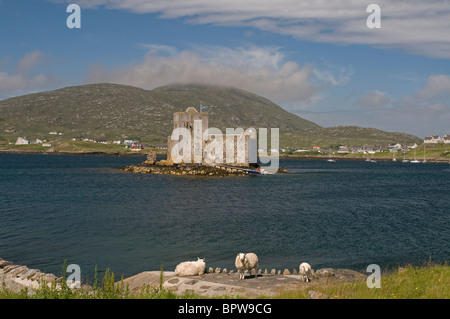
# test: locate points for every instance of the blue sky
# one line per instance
(316, 59)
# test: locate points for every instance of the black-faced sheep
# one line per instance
(246, 262)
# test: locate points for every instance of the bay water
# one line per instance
(346, 214)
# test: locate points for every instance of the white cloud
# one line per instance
(437, 86)
(424, 112)
(29, 61)
(262, 70)
(373, 99)
(414, 26)
(22, 80)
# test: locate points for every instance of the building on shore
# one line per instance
(206, 146)
(433, 139)
(446, 139)
(22, 141)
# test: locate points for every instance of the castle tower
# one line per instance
(187, 120)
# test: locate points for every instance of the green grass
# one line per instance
(410, 282)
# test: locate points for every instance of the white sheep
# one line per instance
(191, 268)
(246, 262)
(305, 271)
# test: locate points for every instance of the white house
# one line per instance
(395, 148)
(433, 139)
(22, 141)
(343, 149)
(446, 139)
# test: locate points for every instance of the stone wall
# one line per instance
(16, 278)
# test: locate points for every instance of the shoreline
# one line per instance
(281, 156)
(93, 153)
(354, 158)
(216, 282)
(401, 282)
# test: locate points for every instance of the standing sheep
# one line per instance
(191, 268)
(305, 271)
(246, 262)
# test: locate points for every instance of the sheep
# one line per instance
(305, 271)
(191, 268)
(246, 262)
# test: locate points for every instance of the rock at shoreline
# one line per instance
(169, 168)
(325, 272)
(16, 278)
(151, 158)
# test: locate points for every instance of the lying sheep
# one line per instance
(305, 271)
(246, 262)
(191, 268)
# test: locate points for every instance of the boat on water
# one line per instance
(256, 171)
(331, 160)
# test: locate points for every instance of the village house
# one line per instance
(343, 150)
(446, 139)
(22, 141)
(395, 148)
(433, 139)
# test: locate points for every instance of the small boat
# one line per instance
(257, 171)
(405, 161)
(331, 160)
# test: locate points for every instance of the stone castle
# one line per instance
(206, 149)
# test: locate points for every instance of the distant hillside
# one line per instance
(111, 111)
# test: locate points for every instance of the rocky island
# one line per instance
(152, 166)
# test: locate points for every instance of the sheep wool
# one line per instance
(191, 268)
(246, 262)
(304, 269)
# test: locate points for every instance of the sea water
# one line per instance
(346, 214)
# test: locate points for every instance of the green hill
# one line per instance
(112, 111)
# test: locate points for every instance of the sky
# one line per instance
(317, 59)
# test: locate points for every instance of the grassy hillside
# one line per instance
(113, 112)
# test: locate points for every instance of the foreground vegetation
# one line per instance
(428, 282)
(410, 282)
